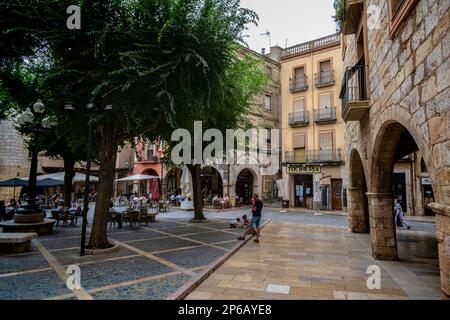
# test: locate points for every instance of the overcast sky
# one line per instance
(295, 20)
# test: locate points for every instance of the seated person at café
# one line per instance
(246, 221)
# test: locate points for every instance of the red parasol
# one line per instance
(155, 190)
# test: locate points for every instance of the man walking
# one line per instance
(255, 222)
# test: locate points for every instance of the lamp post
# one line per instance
(32, 121)
(91, 110)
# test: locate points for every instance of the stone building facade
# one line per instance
(311, 121)
(396, 96)
(14, 158)
(243, 180)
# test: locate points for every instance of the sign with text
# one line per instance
(298, 169)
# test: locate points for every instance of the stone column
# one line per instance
(355, 208)
(382, 228)
(443, 237)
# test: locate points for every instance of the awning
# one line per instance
(138, 177)
(59, 176)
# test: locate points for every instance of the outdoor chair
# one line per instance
(113, 219)
(134, 219)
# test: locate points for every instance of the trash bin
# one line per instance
(285, 204)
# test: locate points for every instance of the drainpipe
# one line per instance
(413, 182)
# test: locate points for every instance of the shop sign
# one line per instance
(303, 169)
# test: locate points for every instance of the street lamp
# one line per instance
(32, 121)
(91, 111)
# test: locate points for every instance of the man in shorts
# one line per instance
(255, 222)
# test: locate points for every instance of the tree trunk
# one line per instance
(195, 171)
(69, 173)
(108, 155)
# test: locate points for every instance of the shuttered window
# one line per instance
(326, 140)
(325, 101)
(299, 105)
(299, 140)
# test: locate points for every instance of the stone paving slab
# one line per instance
(152, 263)
(302, 261)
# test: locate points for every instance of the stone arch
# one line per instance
(396, 135)
(241, 190)
(358, 206)
(209, 174)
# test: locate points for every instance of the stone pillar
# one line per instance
(355, 208)
(382, 228)
(443, 237)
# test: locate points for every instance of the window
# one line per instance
(299, 104)
(326, 140)
(325, 101)
(299, 74)
(269, 71)
(299, 140)
(325, 72)
(268, 102)
(150, 152)
(399, 11)
(299, 144)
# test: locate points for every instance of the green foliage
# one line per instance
(339, 17)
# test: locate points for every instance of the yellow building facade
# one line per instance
(311, 122)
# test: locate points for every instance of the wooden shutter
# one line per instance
(299, 105)
(299, 73)
(299, 155)
(325, 100)
(299, 140)
(325, 66)
(326, 140)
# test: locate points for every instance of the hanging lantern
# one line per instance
(27, 116)
(39, 107)
(49, 121)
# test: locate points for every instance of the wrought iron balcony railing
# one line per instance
(325, 78)
(355, 100)
(314, 156)
(299, 119)
(325, 115)
(298, 84)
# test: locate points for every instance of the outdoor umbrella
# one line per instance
(15, 182)
(138, 177)
(49, 183)
(59, 176)
(186, 183)
(155, 190)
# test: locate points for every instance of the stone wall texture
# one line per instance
(409, 84)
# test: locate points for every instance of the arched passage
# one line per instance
(245, 183)
(172, 180)
(145, 186)
(392, 143)
(358, 205)
(211, 182)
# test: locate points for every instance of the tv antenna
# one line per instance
(267, 34)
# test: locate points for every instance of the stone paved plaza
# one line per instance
(317, 258)
(152, 262)
(301, 256)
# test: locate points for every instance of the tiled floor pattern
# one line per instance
(301, 261)
(152, 262)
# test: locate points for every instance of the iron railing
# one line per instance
(297, 84)
(299, 118)
(354, 86)
(325, 78)
(324, 115)
(314, 156)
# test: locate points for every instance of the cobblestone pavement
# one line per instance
(152, 262)
(315, 257)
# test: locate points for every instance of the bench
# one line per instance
(16, 242)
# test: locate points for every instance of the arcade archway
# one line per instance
(244, 186)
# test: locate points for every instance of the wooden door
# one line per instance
(336, 194)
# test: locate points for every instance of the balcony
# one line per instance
(314, 45)
(353, 13)
(355, 100)
(298, 84)
(325, 78)
(324, 156)
(299, 119)
(325, 115)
